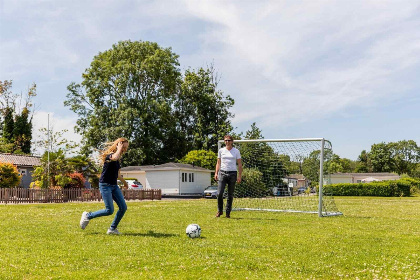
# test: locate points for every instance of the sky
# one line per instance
(347, 71)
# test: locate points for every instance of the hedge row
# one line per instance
(386, 188)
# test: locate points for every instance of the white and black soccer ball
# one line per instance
(193, 231)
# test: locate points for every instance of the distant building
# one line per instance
(337, 178)
(25, 165)
(172, 178)
(298, 180)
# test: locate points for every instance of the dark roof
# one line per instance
(165, 166)
(20, 160)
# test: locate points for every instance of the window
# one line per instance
(184, 177)
(191, 177)
(23, 172)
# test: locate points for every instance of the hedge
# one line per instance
(384, 188)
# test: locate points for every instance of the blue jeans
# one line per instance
(109, 193)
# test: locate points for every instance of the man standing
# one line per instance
(226, 173)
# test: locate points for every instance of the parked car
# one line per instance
(210, 192)
(132, 184)
(282, 190)
(306, 190)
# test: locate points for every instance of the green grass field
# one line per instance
(376, 238)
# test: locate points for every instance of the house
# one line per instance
(25, 165)
(172, 178)
(298, 180)
(337, 178)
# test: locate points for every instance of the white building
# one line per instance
(362, 177)
(171, 178)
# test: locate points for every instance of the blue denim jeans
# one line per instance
(229, 178)
(110, 193)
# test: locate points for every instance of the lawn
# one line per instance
(376, 238)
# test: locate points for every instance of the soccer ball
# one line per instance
(193, 231)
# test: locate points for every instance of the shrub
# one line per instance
(252, 184)
(384, 188)
(73, 180)
(94, 181)
(9, 175)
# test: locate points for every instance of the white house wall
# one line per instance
(201, 181)
(167, 181)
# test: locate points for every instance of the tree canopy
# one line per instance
(136, 90)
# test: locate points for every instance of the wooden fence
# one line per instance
(23, 195)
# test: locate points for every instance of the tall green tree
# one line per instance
(405, 155)
(203, 110)
(363, 164)
(17, 122)
(135, 90)
(129, 91)
(381, 158)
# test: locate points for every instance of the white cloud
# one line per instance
(56, 124)
(292, 62)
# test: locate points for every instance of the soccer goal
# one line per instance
(284, 175)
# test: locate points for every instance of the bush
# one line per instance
(384, 188)
(73, 180)
(94, 181)
(252, 184)
(9, 175)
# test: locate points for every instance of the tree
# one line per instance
(202, 110)
(136, 90)
(381, 158)
(17, 126)
(201, 158)
(261, 156)
(129, 91)
(363, 164)
(9, 175)
(405, 155)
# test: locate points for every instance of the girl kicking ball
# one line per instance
(110, 157)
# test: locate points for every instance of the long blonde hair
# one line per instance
(110, 148)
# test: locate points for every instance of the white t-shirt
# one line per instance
(228, 158)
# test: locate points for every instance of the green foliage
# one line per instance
(8, 124)
(9, 175)
(363, 164)
(384, 188)
(252, 184)
(64, 171)
(17, 126)
(202, 110)
(262, 156)
(405, 155)
(135, 90)
(201, 158)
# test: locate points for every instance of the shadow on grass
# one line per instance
(255, 219)
(150, 233)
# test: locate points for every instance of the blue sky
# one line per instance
(344, 70)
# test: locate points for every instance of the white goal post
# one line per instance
(284, 175)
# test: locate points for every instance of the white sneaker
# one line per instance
(113, 231)
(84, 221)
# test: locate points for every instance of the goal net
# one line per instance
(284, 175)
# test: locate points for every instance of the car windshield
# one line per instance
(212, 188)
